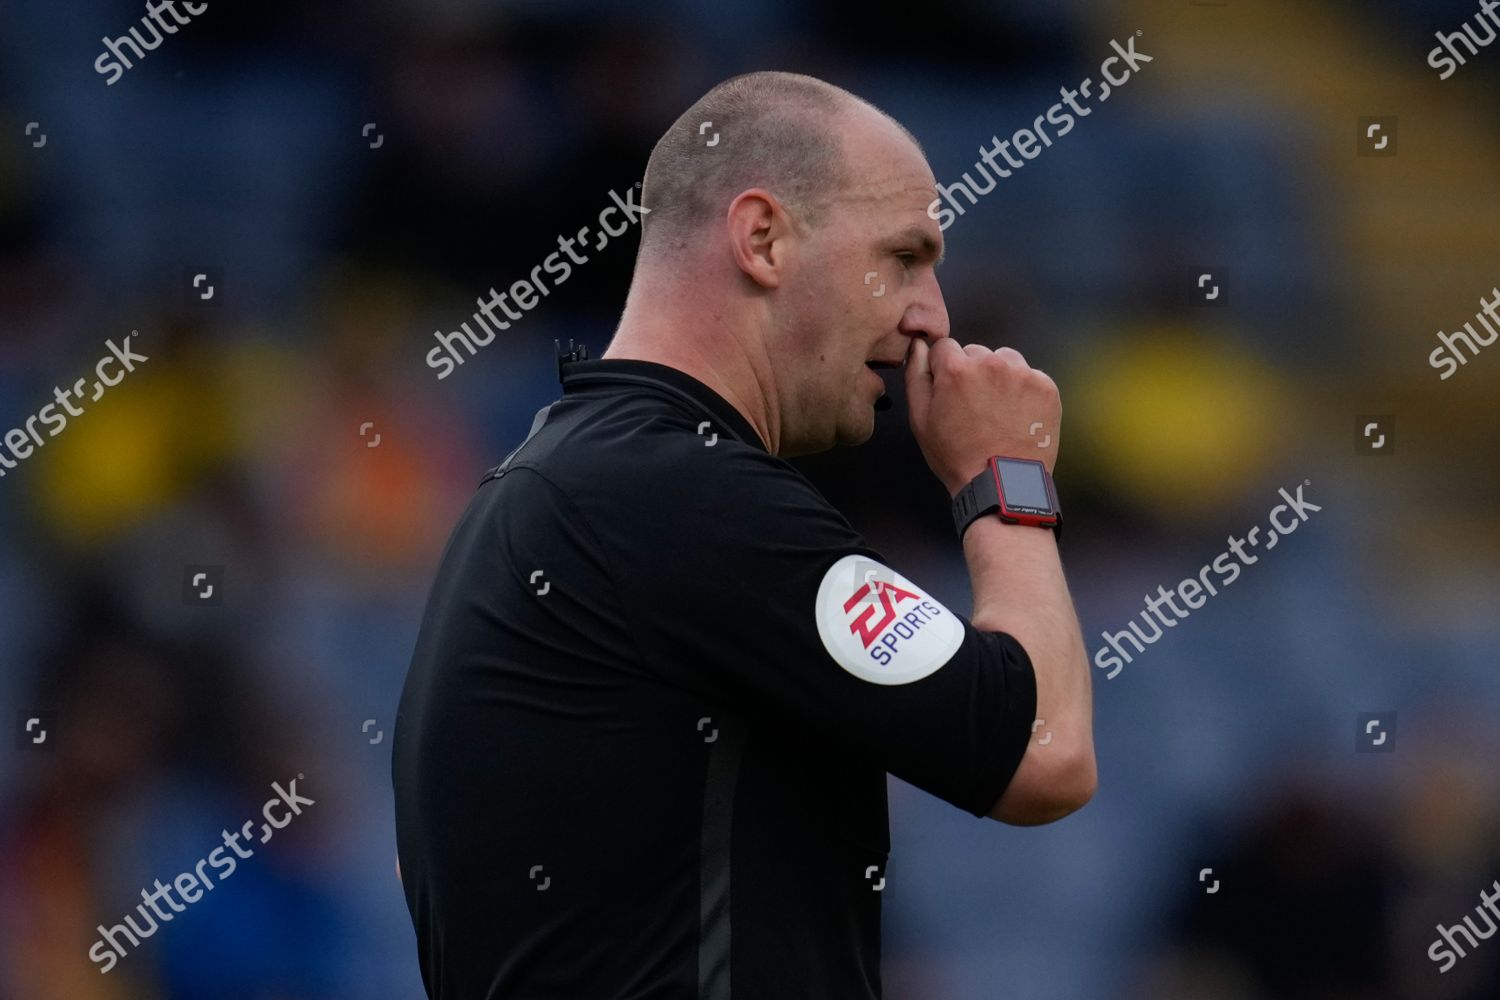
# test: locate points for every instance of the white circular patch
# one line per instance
(880, 626)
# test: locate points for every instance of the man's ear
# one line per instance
(760, 236)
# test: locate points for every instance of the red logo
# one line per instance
(861, 625)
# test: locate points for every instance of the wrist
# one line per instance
(965, 476)
(1017, 491)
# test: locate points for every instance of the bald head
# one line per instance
(772, 130)
(782, 263)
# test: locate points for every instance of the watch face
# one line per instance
(1024, 485)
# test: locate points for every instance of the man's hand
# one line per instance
(968, 403)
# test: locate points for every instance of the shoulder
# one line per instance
(637, 451)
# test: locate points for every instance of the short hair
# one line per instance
(766, 129)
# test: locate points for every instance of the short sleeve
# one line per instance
(749, 588)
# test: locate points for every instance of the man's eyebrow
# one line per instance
(919, 236)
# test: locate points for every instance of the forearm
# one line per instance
(1019, 589)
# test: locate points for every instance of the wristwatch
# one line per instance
(1019, 490)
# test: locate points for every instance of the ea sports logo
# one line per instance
(881, 627)
(888, 596)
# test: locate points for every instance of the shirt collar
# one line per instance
(578, 375)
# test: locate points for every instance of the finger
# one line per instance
(917, 359)
(944, 355)
(918, 374)
(1011, 354)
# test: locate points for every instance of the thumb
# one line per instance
(918, 376)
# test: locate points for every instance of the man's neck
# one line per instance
(719, 363)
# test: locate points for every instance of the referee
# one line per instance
(643, 744)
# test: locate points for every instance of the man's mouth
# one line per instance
(877, 365)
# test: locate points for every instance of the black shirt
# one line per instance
(642, 747)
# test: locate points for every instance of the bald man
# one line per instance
(644, 740)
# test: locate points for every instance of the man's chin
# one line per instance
(857, 429)
(854, 428)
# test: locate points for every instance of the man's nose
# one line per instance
(927, 315)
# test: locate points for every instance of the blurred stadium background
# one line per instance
(1231, 743)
